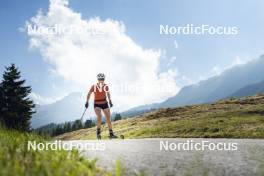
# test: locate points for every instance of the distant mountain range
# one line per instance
(240, 80)
(217, 87)
(67, 109)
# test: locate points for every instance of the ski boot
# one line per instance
(112, 135)
(98, 134)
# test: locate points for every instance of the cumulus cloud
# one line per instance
(237, 61)
(40, 100)
(79, 56)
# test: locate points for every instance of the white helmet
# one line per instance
(100, 76)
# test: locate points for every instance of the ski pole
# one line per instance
(83, 114)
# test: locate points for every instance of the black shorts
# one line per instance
(101, 106)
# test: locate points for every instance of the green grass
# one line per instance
(16, 159)
(232, 118)
(230, 125)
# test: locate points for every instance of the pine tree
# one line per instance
(16, 106)
(88, 124)
(77, 124)
(1, 103)
(118, 117)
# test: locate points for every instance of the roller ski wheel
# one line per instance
(116, 137)
(99, 137)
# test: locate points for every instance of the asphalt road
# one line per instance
(168, 157)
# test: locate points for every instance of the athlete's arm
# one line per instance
(108, 93)
(109, 98)
(88, 97)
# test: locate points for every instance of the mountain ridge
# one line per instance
(206, 91)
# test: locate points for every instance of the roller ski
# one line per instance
(98, 134)
(113, 136)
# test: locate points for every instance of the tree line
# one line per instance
(57, 129)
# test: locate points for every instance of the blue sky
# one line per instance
(196, 57)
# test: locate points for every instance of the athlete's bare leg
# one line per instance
(108, 117)
(99, 117)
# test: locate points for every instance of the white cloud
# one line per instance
(184, 81)
(171, 61)
(237, 61)
(38, 99)
(217, 70)
(78, 57)
(176, 45)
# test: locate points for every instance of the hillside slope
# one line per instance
(66, 109)
(232, 118)
(249, 90)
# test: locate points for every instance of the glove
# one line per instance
(86, 105)
(111, 104)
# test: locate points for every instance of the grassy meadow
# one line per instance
(230, 118)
